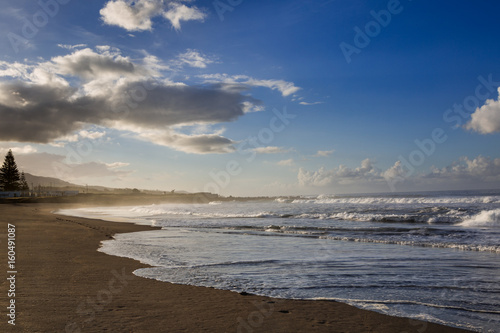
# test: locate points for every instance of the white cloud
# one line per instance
(310, 103)
(238, 82)
(324, 153)
(71, 47)
(286, 88)
(28, 149)
(91, 135)
(194, 58)
(480, 168)
(252, 107)
(395, 172)
(131, 16)
(478, 172)
(466, 173)
(486, 119)
(271, 150)
(90, 65)
(321, 177)
(177, 12)
(61, 141)
(137, 15)
(77, 136)
(288, 162)
(341, 175)
(14, 70)
(117, 165)
(154, 64)
(192, 144)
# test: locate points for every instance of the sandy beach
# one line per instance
(63, 284)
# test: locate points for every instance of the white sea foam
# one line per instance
(400, 200)
(486, 218)
(463, 247)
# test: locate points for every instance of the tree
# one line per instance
(23, 184)
(9, 174)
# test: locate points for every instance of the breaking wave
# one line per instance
(486, 218)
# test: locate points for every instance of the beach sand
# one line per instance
(64, 285)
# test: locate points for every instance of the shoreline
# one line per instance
(64, 284)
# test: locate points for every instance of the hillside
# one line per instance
(58, 184)
(48, 181)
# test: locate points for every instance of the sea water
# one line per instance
(430, 256)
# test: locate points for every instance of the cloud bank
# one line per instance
(481, 169)
(478, 171)
(340, 175)
(48, 101)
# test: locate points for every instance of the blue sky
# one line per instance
(253, 97)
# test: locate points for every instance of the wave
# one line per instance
(399, 200)
(410, 302)
(152, 211)
(463, 247)
(452, 216)
(486, 218)
(417, 237)
(434, 216)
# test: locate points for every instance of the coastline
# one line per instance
(65, 285)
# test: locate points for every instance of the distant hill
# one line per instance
(58, 184)
(47, 181)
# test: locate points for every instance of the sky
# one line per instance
(253, 98)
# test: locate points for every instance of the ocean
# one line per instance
(433, 256)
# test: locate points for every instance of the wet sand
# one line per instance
(64, 285)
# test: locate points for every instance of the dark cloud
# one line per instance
(174, 105)
(42, 113)
(44, 102)
(196, 144)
